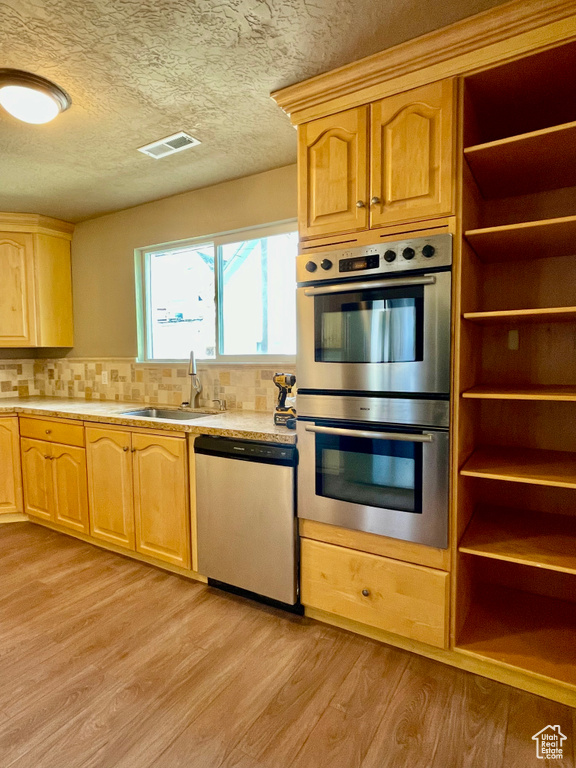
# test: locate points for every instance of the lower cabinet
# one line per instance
(10, 482)
(406, 599)
(54, 479)
(138, 492)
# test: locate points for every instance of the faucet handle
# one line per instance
(221, 404)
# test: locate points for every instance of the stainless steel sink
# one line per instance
(164, 413)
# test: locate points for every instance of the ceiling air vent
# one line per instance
(168, 146)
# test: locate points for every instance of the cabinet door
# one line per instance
(17, 317)
(110, 491)
(37, 478)
(333, 174)
(69, 487)
(10, 474)
(412, 155)
(161, 498)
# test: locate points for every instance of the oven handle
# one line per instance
(393, 283)
(406, 438)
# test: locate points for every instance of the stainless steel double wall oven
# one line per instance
(373, 376)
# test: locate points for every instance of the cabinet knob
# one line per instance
(47, 457)
(375, 201)
(360, 204)
(125, 448)
(48, 431)
(366, 592)
(134, 450)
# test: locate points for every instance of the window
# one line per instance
(229, 298)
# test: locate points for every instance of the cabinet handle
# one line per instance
(134, 450)
(48, 431)
(47, 457)
(125, 448)
(375, 201)
(366, 592)
(360, 204)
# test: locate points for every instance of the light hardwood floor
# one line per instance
(109, 663)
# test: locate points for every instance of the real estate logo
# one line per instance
(549, 743)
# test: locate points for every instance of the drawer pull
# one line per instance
(48, 431)
(125, 448)
(366, 592)
(47, 457)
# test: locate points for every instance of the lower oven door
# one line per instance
(380, 479)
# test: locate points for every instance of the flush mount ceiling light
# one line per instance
(31, 98)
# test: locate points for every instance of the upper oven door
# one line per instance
(381, 479)
(382, 335)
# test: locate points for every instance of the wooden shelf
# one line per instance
(520, 629)
(545, 314)
(520, 536)
(523, 465)
(559, 393)
(528, 240)
(521, 165)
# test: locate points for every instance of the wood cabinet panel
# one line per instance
(412, 155)
(17, 327)
(53, 430)
(36, 297)
(69, 487)
(333, 154)
(111, 499)
(10, 472)
(409, 600)
(161, 498)
(37, 478)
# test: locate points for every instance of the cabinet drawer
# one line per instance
(409, 600)
(54, 431)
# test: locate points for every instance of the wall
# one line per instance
(103, 250)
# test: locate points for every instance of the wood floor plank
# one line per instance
(413, 724)
(292, 714)
(233, 711)
(474, 730)
(343, 734)
(528, 715)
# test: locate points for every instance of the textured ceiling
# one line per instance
(139, 70)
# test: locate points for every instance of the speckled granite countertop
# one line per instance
(249, 425)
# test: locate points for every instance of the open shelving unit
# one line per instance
(515, 577)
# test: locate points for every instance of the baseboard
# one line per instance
(13, 518)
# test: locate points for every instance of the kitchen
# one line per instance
(488, 593)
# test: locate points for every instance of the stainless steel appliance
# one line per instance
(375, 464)
(246, 517)
(376, 318)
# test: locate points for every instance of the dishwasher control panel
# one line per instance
(246, 449)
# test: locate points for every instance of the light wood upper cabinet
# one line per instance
(10, 473)
(411, 174)
(333, 173)
(36, 296)
(37, 478)
(377, 165)
(110, 486)
(17, 316)
(161, 498)
(69, 486)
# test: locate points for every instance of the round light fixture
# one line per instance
(31, 98)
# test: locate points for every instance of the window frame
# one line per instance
(144, 316)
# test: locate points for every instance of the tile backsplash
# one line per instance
(245, 387)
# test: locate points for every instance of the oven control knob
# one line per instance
(408, 253)
(311, 266)
(325, 263)
(390, 256)
(428, 251)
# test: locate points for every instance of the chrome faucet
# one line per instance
(195, 384)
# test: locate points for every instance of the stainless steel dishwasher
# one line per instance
(245, 506)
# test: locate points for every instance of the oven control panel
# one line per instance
(378, 259)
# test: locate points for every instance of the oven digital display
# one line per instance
(359, 263)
